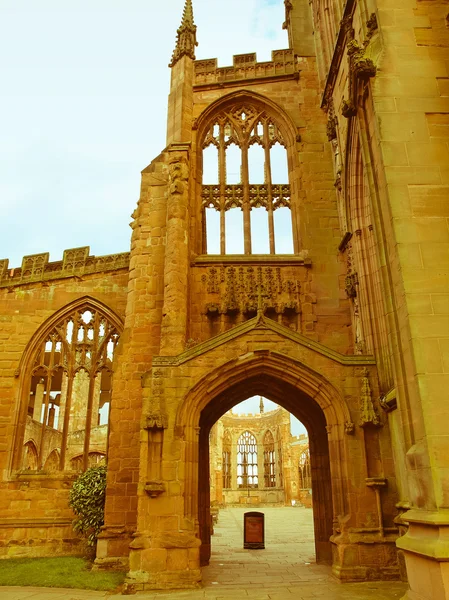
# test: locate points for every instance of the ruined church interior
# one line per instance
(290, 244)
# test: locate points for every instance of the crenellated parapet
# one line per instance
(244, 67)
(75, 262)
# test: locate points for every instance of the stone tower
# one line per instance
(204, 330)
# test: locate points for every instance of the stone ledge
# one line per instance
(254, 259)
(20, 523)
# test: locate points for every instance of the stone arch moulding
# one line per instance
(307, 395)
(241, 96)
(36, 340)
(280, 367)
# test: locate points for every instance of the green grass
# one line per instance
(66, 572)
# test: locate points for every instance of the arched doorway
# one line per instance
(304, 408)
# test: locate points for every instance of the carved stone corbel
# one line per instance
(154, 488)
(361, 68)
(349, 427)
(389, 401)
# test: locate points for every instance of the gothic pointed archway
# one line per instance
(307, 396)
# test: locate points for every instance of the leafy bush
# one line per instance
(87, 498)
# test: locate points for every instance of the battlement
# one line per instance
(251, 415)
(245, 66)
(302, 437)
(75, 261)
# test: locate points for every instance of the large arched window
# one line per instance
(239, 201)
(247, 469)
(68, 386)
(305, 476)
(269, 460)
(227, 445)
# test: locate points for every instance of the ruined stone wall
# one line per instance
(35, 518)
(278, 423)
(386, 95)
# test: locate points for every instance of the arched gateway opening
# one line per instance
(304, 408)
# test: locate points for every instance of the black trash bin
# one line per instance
(254, 531)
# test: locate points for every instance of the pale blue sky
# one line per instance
(83, 108)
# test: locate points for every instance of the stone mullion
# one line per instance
(90, 401)
(222, 181)
(266, 147)
(47, 396)
(246, 203)
(65, 429)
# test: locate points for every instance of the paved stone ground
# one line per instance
(285, 570)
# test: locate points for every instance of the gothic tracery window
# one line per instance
(226, 468)
(269, 460)
(305, 477)
(240, 200)
(247, 469)
(70, 384)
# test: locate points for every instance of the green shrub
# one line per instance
(87, 498)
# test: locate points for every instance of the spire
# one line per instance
(186, 36)
(261, 406)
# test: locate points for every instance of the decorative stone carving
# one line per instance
(348, 108)
(247, 289)
(361, 68)
(349, 427)
(368, 415)
(185, 36)
(156, 417)
(372, 25)
(77, 262)
(154, 488)
(331, 128)
(288, 9)
(33, 266)
(75, 258)
(350, 285)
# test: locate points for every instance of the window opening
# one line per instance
(269, 460)
(234, 225)
(256, 164)
(247, 469)
(283, 231)
(70, 389)
(226, 465)
(252, 174)
(305, 477)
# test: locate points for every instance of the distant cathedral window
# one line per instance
(241, 198)
(226, 466)
(305, 478)
(269, 460)
(70, 386)
(247, 469)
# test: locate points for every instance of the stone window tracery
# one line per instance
(305, 476)
(247, 468)
(269, 460)
(252, 179)
(226, 465)
(70, 384)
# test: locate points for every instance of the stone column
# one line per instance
(38, 399)
(174, 314)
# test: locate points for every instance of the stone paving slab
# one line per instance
(285, 570)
